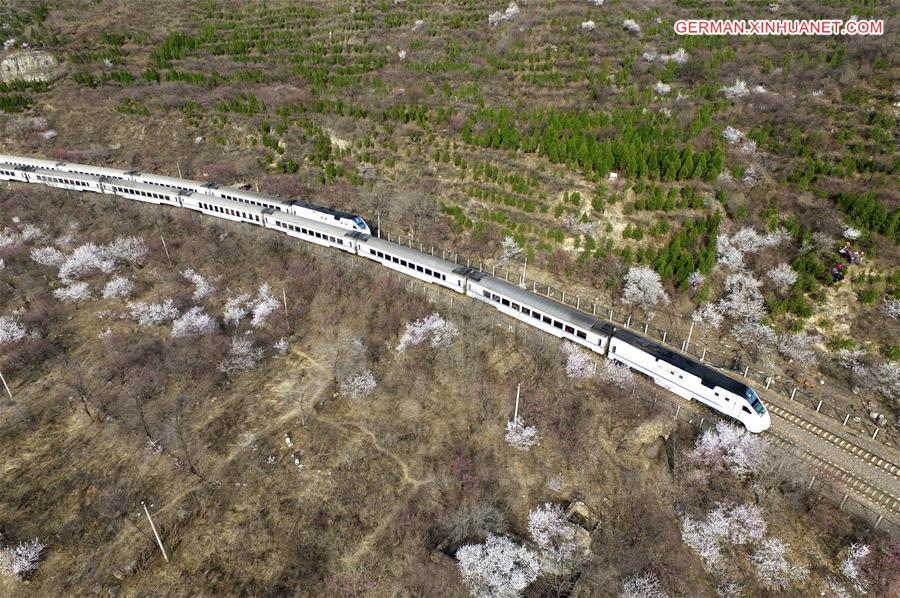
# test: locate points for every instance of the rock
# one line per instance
(29, 65)
(873, 415)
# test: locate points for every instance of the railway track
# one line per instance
(872, 478)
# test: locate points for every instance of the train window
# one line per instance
(744, 409)
(486, 294)
(570, 330)
(612, 349)
(535, 315)
(371, 251)
(526, 311)
(581, 334)
(548, 319)
(516, 306)
(420, 268)
(557, 324)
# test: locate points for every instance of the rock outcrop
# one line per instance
(29, 65)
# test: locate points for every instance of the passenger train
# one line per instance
(348, 232)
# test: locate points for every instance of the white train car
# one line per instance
(689, 379)
(308, 230)
(541, 312)
(408, 261)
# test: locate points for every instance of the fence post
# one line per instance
(845, 420)
(746, 369)
(876, 433)
(702, 357)
(877, 523)
(793, 392)
(628, 322)
(677, 411)
(811, 482)
(646, 325)
(665, 332)
(819, 406)
(595, 309)
(843, 500)
(768, 381)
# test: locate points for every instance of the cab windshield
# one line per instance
(755, 402)
(360, 223)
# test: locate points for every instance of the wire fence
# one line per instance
(690, 342)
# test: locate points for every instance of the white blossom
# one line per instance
(21, 560)
(2, 264)
(30, 232)
(596, 2)
(739, 89)
(742, 524)
(777, 237)
(496, 568)
(748, 148)
(772, 567)
(729, 447)
(496, 17)
(662, 88)
(281, 346)
(11, 330)
(708, 314)
(850, 566)
(47, 256)
(130, 250)
(732, 135)
(679, 56)
(520, 436)
(782, 276)
(643, 288)
(84, 259)
(433, 327)
(555, 535)
(236, 309)
(646, 585)
(77, 291)
(149, 314)
(617, 374)
(578, 362)
(695, 280)
(631, 26)
(418, 24)
(885, 380)
(193, 321)
(9, 43)
(401, 54)
(742, 300)
(242, 356)
(118, 287)
(8, 237)
(511, 250)
(755, 334)
(799, 347)
(202, 288)
(751, 176)
(359, 386)
(587, 26)
(891, 307)
(851, 233)
(263, 306)
(727, 254)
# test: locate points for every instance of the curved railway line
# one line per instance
(859, 468)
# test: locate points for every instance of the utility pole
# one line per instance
(516, 411)
(690, 332)
(378, 215)
(284, 296)
(168, 257)
(524, 266)
(155, 533)
(6, 386)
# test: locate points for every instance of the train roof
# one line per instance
(411, 255)
(709, 376)
(545, 305)
(134, 185)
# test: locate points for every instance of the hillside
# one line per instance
(584, 139)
